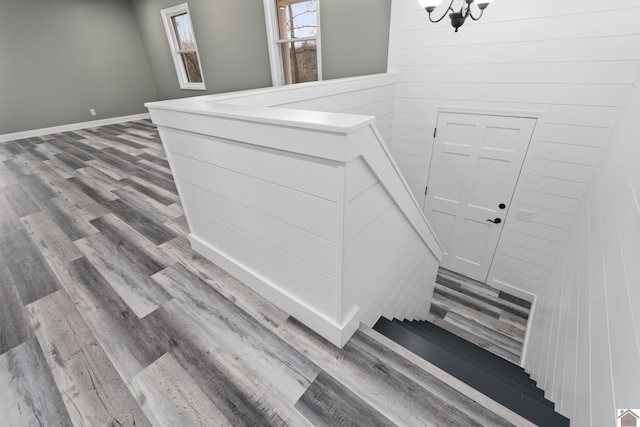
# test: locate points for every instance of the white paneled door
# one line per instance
(474, 170)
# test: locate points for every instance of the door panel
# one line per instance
(443, 223)
(474, 168)
(453, 167)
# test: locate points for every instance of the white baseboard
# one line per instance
(337, 334)
(527, 334)
(72, 126)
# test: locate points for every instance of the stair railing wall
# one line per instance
(307, 208)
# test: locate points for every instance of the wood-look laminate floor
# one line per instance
(107, 317)
(487, 317)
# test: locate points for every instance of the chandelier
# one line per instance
(457, 17)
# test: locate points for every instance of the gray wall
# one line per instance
(232, 42)
(60, 58)
(355, 37)
(231, 37)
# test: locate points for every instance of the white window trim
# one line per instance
(183, 80)
(274, 41)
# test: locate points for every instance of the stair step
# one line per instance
(474, 339)
(461, 342)
(485, 381)
(474, 286)
(474, 354)
(492, 322)
(508, 372)
(469, 301)
(513, 320)
(483, 332)
(484, 293)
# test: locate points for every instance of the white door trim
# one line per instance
(527, 114)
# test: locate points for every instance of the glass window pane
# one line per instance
(297, 18)
(192, 67)
(300, 61)
(182, 30)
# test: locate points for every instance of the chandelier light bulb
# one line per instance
(429, 3)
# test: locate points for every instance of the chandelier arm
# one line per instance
(473, 17)
(445, 13)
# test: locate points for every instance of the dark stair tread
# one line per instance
(482, 380)
(469, 348)
(515, 377)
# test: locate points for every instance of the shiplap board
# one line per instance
(555, 186)
(530, 93)
(346, 100)
(536, 54)
(597, 358)
(305, 174)
(568, 153)
(376, 101)
(380, 276)
(358, 178)
(293, 241)
(382, 251)
(562, 170)
(295, 278)
(579, 115)
(360, 245)
(311, 213)
(617, 72)
(364, 209)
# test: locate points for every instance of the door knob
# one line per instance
(495, 221)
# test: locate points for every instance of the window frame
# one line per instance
(274, 42)
(167, 15)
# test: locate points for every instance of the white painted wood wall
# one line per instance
(306, 207)
(373, 95)
(584, 340)
(572, 60)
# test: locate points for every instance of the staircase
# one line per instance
(488, 318)
(497, 378)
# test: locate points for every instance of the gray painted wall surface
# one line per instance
(232, 42)
(355, 37)
(60, 58)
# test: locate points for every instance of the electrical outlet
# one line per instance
(524, 215)
(92, 111)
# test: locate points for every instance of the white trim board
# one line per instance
(534, 114)
(73, 126)
(527, 334)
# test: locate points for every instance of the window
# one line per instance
(294, 40)
(182, 41)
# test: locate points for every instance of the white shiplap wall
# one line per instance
(584, 340)
(263, 208)
(306, 207)
(372, 95)
(572, 60)
(384, 257)
(376, 101)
